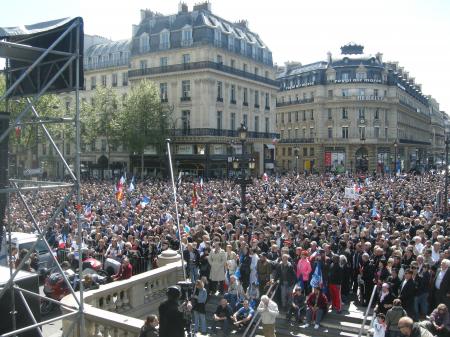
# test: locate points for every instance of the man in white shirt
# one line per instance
(435, 252)
(268, 310)
(442, 283)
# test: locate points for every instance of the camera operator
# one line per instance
(171, 319)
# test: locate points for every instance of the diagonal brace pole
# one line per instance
(41, 233)
(72, 175)
(27, 256)
(27, 307)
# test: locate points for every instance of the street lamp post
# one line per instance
(296, 151)
(242, 180)
(395, 157)
(447, 142)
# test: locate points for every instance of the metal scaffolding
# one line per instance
(34, 68)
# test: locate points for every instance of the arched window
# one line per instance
(144, 43)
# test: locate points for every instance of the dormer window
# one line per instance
(164, 39)
(361, 75)
(217, 38)
(186, 36)
(231, 43)
(254, 51)
(243, 47)
(144, 43)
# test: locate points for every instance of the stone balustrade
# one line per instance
(115, 309)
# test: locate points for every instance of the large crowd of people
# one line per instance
(320, 245)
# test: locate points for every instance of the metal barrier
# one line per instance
(140, 264)
(252, 325)
(363, 324)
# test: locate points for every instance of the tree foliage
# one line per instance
(47, 106)
(143, 120)
(99, 118)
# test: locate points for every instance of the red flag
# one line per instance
(194, 197)
(18, 131)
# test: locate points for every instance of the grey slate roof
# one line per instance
(108, 48)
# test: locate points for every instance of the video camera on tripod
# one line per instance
(187, 290)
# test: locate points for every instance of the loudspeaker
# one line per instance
(4, 123)
(26, 281)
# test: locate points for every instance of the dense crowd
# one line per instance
(319, 245)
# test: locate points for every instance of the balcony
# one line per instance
(297, 141)
(187, 43)
(199, 66)
(297, 101)
(206, 132)
(245, 103)
(165, 99)
(219, 99)
(164, 46)
(185, 99)
(233, 101)
(116, 308)
(256, 106)
(267, 108)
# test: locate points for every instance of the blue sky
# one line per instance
(413, 32)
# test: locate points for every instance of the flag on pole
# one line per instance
(88, 211)
(119, 189)
(194, 197)
(145, 201)
(179, 179)
(131, 188)
(375, 214)
(18, 131)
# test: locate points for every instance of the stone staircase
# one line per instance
(346, 324)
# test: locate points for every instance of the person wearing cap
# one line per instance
(171, 319)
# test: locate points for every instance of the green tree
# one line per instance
(143, 121)
(98, 118)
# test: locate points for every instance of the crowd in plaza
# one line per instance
(302, 235)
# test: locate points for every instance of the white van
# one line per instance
(25, 241)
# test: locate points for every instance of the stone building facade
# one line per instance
(214, 75)
(355, 113)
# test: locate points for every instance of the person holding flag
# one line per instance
(194, 197)
(119, 189)
(132, 187)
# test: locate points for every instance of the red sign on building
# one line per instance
(327, 158)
